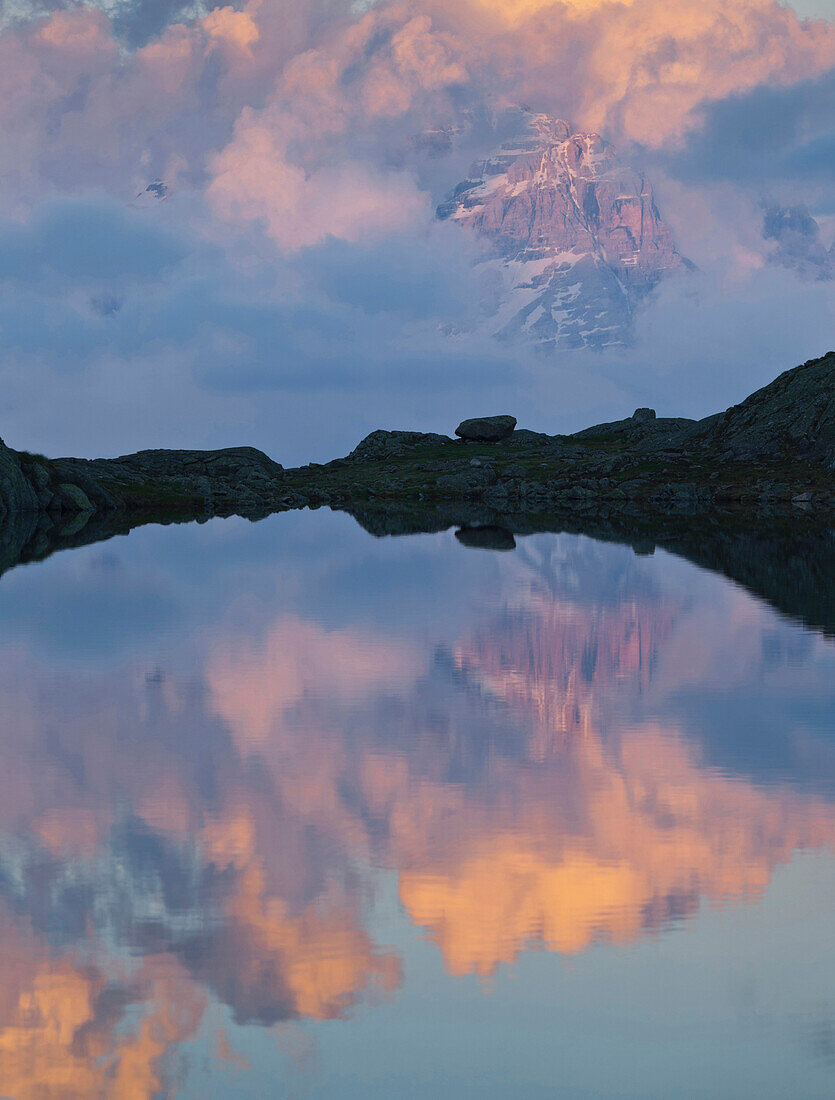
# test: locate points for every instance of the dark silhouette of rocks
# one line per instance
(774, 452)
(793, 417)
(748, 493)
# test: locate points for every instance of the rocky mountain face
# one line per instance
(575, 239)
(798, 242)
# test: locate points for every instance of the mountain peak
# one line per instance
(575, 235)
(798, 243)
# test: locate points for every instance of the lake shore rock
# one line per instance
(775, 450)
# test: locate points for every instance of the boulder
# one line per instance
(17, 495)
(486, 429)
(75, 499)
(382, 444)
(641, 415)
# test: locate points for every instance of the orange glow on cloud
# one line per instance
(70, 828)
(83, 31)
(309, 116)
(254, 180)
(238, 28)
(56, 1043)
(518, 11)
(657, 827)
(653, 828)
(320, 957)
(316, 961)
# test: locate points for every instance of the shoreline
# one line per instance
(774, 450)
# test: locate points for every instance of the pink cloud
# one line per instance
(639, 70)
(284, 166)
(296, 114)
(252, 687)
(254, 180)
(236, 28)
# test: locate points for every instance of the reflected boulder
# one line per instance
(486, 538)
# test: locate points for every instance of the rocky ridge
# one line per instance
(775, 450)
(749, 492)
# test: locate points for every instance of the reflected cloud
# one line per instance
(252, 687)
(530, 779)
(655, 835)
(69, 1030)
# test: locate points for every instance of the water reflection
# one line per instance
(202, 820)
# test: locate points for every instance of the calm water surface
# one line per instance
(288, 811)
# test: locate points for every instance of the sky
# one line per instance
(294, 289)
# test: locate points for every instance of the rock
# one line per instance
(75, 499)
(77, 523)
(17, 494)
(668, 465)
(793, 417)
(40, 476)
(800, 245)
(524, 437)
(468, 479)
(382, 444)
(497, 496)
(486, 429)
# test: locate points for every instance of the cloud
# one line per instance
(767, 139)
(138, 21)
(293, 291)
(86, 239)
(78, 112)
(641, 71)
(144, 332)
(292, 164)
(254, 179)
(413, 277)
(254, 689)
(315, 98)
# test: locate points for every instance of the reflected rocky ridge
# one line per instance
(530, 778)
(786, 559)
